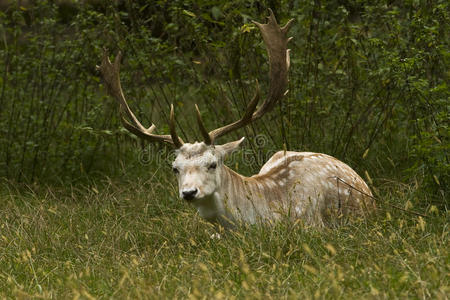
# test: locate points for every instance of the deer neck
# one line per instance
(240, 199)
(247, 199)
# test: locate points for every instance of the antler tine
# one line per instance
(110, 72)
(276, 41)
(173, 133)
(201, 126)
(246, 118)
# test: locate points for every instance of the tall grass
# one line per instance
(137, 240)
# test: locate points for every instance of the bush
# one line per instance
(368, 83)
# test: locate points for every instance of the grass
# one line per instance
(137, 240)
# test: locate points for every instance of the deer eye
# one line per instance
(175, 170)
(212, 166)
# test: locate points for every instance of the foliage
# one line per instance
(368, 83)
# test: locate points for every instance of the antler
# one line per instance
(276, 41)
(110, 72)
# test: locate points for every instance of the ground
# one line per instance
(136, 240)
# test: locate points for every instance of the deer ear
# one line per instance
(229, 147)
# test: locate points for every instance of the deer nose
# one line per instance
(189, 194)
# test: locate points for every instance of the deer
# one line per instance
(312, 187)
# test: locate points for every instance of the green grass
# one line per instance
(137, 240)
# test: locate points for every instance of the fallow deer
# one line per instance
(301, 185)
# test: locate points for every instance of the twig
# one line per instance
(375, 199)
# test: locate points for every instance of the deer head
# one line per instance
(198, 166)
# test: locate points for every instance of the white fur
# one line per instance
(303, 181)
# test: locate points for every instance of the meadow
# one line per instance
(134, 240)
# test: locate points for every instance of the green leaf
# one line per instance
(189, 13)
